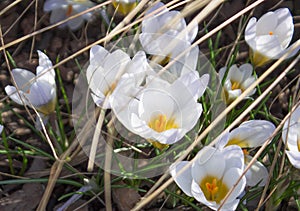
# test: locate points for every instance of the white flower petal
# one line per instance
(231, 176)
(234, 157)
(208, 158)
(235, 74)
(164, 104)
(291, 131)
(222, 141)
(267, 23)
(196, 85)
(11, 91)
(54, 4)
(257, 173)
(41, 93)
(97, 55)
(58, 15)
(291, 54)
(247, 70)
(268, 45)
(294, 158)
(45, 71)
(191, 60)
(285, 28)
(251, 133)
(23, 78)
(250, 33)
(1, 128)
(184, 179)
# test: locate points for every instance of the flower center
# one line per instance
(271, 33)
(69, 10)
(160, 123)
(213, 188)
(235, 85)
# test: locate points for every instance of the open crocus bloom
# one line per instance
(291, 137)
(162, 113)
(210, 175)
(237, 81)
(250, 134)
(63, 9)
(270, 36)
(106, 69)
(125, 6)
(165, 35)
(38, 91)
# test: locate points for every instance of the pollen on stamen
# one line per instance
(271, 33)
(69, 10)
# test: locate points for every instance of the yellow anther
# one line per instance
(69, 10)
(213, 188)
(271, 33)
(160, 123)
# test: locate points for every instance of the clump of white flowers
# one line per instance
(270, 36)
(38, 91)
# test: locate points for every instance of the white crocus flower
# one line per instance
(38, 91)
(125, 6)
(270, 36)
(165, 35)
(210, 175)
(1, 128)
(162, 113)
(250, 134)
(106, 69)
(291, 137)
(63, 9)
(238, 79)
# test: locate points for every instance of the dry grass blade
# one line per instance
(9, 7)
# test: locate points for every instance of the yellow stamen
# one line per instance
(245, 152)
(235, 85)
(213, 188)
(69, 10)
(160, 123)
(270, 33)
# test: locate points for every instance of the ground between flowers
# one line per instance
(16, 161)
